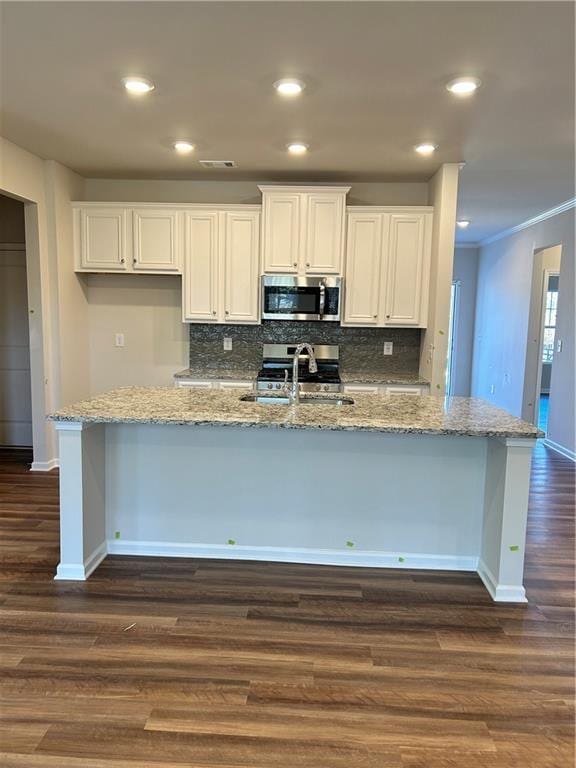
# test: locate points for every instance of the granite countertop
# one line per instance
(247, 374)
(352, 377)
(428, 414)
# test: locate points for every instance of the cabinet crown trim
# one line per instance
(298, 189)
(169, 206)
(389, 209)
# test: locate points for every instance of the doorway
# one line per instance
(15, 380)
(452, 332)
(547, 343)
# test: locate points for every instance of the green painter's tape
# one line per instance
(231, 541)
(441, 333)
(349, 543)
(400, 559)
(116, 534)
(514, 548)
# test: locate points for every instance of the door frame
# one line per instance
(546, 275)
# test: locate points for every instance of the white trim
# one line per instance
(167, 206)
(81, 571)
(12, 246)
(289, 555)
(68, 426)
(500, 593)
(566, 206)
(566, 452)
(44, 466)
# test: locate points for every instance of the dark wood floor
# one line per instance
(158, 663)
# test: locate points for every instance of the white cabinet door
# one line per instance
(324, 235)
(281, 232)
(201, 271)
(234, 384)
(156, 240)
(362, 272)
(188, 384)
(242, 268)
(103, 239)
(406, 262)
(407, 390)
(365, 389)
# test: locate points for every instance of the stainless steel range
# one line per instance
(277, 361)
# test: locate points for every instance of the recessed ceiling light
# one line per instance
(183, 147)
(289, 86)
(426, 149)
(463, 86)
(463, 223)
(137, 85)
(297, 148)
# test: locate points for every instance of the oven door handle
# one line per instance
(322, 306)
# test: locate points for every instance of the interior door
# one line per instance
(201, 267)
(242, 268)
(363, 259)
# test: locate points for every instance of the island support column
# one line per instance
(501, 564)
(82, 499)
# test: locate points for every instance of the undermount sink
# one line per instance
(255, 397)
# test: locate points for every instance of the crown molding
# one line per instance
(466, 245)
(566, 206)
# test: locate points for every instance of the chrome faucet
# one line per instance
(294, 390)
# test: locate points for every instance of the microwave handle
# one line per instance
(322, 298)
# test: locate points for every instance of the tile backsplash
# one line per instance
(360, 348)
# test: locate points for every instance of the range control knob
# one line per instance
(270, 386)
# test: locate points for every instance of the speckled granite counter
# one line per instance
(375, 413)
(247, 374)
(351, 377)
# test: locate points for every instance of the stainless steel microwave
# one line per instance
(288, 297)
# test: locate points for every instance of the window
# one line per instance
(550, 310)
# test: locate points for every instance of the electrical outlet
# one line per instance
(388, 348)
(559, 345)
(227, 343)
(119, 340)
(492, 389)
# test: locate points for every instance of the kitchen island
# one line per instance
(388, 481)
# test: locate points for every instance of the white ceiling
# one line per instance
(375, 73)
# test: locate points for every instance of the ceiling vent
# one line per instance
(217, 163)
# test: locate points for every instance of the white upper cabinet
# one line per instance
(222, 266)
(387, 266)
(242, 267)
(362, 280)
(324, 235)
(201, 270)
(156, 238)
(281, 215)
(303, 229)
(407, 262)
(102, 236)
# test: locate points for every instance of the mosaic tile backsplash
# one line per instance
(360, 348)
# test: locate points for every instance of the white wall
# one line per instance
(147, 310)
(466, 272)
(505, 274)
(245, 192)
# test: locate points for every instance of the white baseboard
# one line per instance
(44, 466)
(288, 555)
(81, 571)
(559, 449)
(500, 593)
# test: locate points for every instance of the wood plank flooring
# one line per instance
(164, 663)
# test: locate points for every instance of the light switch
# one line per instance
(227, 343)
(388, 347)
(119, 340)
(559, 345)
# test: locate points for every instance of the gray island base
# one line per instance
(388, 482)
